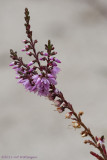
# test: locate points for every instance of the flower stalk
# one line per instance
(41, 79)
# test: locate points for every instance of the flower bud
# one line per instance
(16, 66)
(31, 69)
(17, 77)
(35, 41)
(29, 64)
(43, 58)
(28, 53)
(23, 49)
(25, 41)
(45, 54)
(51, 97)
(54, 64)
(81, 113)
(11, 64)
(68, 115)
(57, 102)
(26, 46)
(51, 58)
(56, 91)
(57, 60)
(84, 133)
(60, 109)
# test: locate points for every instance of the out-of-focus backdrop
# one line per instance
(28, 123)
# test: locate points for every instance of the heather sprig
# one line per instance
(39, 76)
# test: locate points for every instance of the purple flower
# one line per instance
(52, 79)
(34, 89)
(35, 77)
(55, 70)
(54, 64)
(43, 86)
(26, 83)
(20, 80)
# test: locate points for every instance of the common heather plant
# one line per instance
(40, 78)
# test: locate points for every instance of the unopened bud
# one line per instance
(51, 96)
(11, 64)
(29, 64)
(25, 41)
(60, 109)
(54, 64)
(23, 50)
(17, 77)
(81, 113)
(28, 53)
(84, 133)
(16, 66)
(35, 41)
(57, 60)
(45, 54)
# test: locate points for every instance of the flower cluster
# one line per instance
(35, 76)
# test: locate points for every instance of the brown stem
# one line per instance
(34, 50)
(70, 107)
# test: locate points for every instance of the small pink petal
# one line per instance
(54, 64)
(27, 53)
(57, 60)
(51, 58)
(15, 67)
(20, 80)
(23, 50)
(17, 77)
(29, 64)
(26, 46)
(45, 54)
(11, 64)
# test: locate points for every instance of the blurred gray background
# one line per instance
(28, 123)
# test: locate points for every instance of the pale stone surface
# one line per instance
(28, 123)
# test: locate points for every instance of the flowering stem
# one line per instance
(44, 84)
